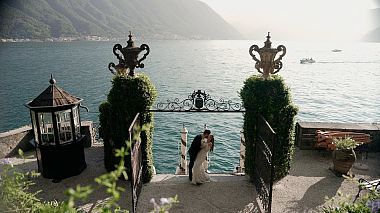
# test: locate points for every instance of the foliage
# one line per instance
(13, 191)
(164, 206)
(345, 204)
(272, 99)
(345, 143)
(348, 208)
(110, 179)
(15, 195)
(127, 97)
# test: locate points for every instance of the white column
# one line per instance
(206, 163)
(183, 165)
(242, 151)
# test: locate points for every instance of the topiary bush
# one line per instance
(272, 99)
(128, 96)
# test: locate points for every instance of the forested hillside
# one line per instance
(112, 18)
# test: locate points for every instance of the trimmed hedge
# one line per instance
(127, 97)
(271, 98)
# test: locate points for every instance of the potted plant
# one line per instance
(344, 155)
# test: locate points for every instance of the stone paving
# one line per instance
(303, 190)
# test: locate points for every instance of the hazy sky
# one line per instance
(298, 19)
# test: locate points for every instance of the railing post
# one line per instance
(240, 168)
(206, 163)
(242, 152)
(183, 166)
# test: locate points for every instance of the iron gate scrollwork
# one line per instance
(136, 160)
(263, 162)
(198, 101)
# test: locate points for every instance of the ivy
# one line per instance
(127, 97)
(272, 99)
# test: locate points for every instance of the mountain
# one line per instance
(182, 19)
(374, 35)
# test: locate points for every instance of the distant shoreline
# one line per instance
(100, 38)
(59, 39)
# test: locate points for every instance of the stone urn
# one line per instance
(343, 159)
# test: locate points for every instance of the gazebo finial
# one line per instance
(52, 80)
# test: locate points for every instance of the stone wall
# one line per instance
(13, 140)
(88, 130)
(23, 138)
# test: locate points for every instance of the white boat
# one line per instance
(336, 50)
(307, 61)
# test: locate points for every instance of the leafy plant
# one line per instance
(345, 143)
(272, 99)
(15, 195)
(14, 190)
(345, 204)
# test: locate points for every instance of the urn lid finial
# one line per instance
(268, 43)
(130, 41)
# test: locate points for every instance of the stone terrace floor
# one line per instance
(303, 190)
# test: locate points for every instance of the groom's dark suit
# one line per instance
(193, 151)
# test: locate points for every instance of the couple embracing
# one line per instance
(199, 148)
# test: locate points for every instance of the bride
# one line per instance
(199, 174)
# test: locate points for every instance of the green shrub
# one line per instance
(271, 98)
(127, 97)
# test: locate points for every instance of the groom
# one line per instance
(194, 149)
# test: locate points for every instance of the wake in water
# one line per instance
(348, 62)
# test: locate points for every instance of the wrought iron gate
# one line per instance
(198, 101)
(136, 160)
(263, 162)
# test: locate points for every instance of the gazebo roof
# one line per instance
(53, 96)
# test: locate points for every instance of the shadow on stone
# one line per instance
(226, 193)
(51, 191)
(313, 196)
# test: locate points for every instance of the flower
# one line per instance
(164, 206)
(164, 201)
(6, 161)
(152, 201)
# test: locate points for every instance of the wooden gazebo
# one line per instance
(57, 130)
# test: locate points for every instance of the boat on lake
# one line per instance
(307, 61)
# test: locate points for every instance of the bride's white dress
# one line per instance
(199, 173)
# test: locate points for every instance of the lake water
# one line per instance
(339, 87)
